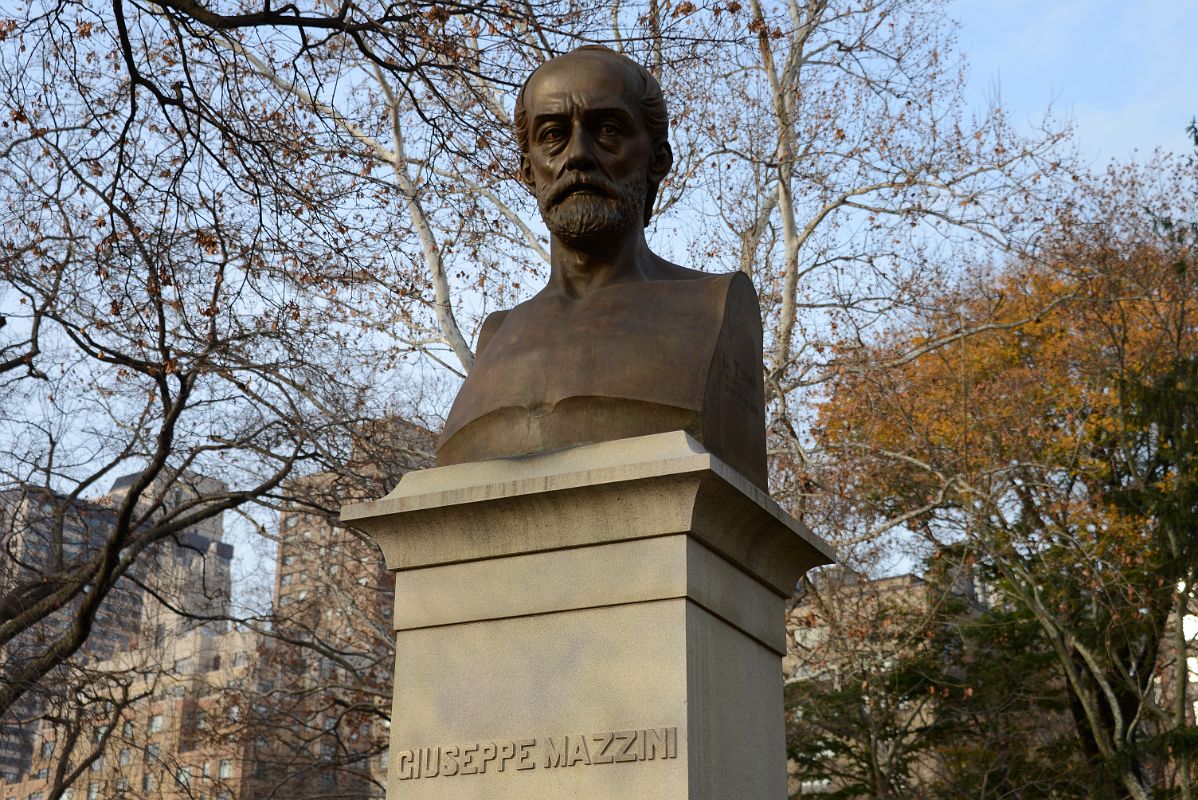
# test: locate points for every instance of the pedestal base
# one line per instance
(603, 622)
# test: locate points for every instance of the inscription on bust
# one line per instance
(548, 752)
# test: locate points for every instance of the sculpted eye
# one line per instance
(610, 129)
(551, 133)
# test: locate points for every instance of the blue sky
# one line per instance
(1125, 73)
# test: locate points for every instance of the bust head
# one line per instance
(592, 127)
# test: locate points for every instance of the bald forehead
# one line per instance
(584, 76)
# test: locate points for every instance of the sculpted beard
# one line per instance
(583, 217)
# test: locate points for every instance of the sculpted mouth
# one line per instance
(584, 189)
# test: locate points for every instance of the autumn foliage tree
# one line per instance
(1056, 446)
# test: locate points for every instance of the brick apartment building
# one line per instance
(296, 707)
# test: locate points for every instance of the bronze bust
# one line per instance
(620, 342)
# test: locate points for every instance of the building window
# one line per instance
(155, 723)
(127, 729)
(98, 764)
(93, 791)
(48, 749)
(124, 758)
(183, 776)
(147, 782)
(226, 769)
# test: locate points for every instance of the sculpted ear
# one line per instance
(660, 162)
(526, 172)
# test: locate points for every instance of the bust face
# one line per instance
(589, 154)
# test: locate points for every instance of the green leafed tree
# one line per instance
(915, 690)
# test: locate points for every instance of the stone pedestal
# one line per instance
(599, 623)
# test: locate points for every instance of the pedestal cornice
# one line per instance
(613, 491)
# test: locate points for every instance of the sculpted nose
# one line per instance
(579, 154)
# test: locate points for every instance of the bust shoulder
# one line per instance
(490, 326)
(627, 360)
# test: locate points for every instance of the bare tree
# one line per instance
(851, 183)
(235, 233)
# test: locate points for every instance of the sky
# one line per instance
(1126, 74)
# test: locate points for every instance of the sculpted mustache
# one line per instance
(560, 194)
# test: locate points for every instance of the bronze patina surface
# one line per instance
(620, 342)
